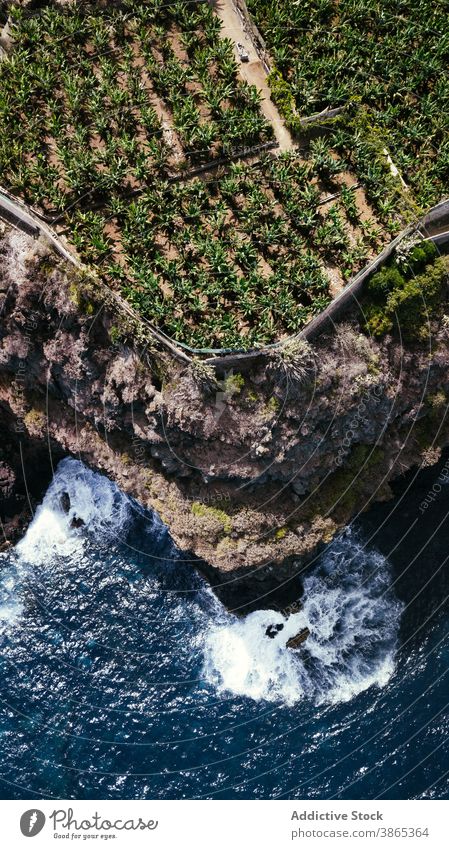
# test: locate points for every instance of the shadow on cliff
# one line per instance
(412, 531)
(26, 470)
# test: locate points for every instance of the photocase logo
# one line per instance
(32, 822)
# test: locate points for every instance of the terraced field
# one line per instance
(105, 113)
(102, 98)
(242, 258)
(387, 61)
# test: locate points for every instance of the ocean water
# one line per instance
(122, 676)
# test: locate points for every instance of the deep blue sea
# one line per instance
(122, 676)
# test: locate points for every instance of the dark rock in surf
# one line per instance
(298, 639)
(273, 630)
(77, 522)
(65, 502)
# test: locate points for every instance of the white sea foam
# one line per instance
(353, 619)
(103, 509)
(98, 503)
(240, 658)
(11, 576)
(352, 615)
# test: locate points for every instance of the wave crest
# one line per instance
(353, 618)
(95, 504)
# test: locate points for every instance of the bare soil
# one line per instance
(252, 71)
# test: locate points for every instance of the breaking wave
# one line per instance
(122, 675)
(94, 507)
(348, 606)
(79, 503)
(353, 618)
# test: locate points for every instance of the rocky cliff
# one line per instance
(253, 471)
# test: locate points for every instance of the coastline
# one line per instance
(253, 474)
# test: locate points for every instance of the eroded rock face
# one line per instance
(252, 476)
(7, 480)
(25, 473)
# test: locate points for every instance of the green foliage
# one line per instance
(281, 533)
(272, 405)
(438, 400)
(422, 254)
(233, 384)
(281, 91)
(378, 321)
(203, 511)
(115, 335)
(282, 96)
(140, 93)
(35, 420)
(386, 56)
(348, 202)
(79, 298)
(240, 272)
(385, 281)
(407, 303)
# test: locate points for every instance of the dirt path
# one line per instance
(253, 71)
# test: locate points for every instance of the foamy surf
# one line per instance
(97, 508)
(241, 659)
(352, 615)
(10, 604)
(353, 618)
(96, 505)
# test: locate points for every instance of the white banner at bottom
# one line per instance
(224, 824)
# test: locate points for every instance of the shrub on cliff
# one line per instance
(204, 375)
(293, 360)
(408, 304)
(385, 281)
(412, 257)
(422, 254)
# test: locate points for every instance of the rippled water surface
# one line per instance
(122, 676)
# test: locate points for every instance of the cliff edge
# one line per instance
(253, 470)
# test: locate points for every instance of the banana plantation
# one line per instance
(103, 97)
(106, 113)
(386, 61)
(236, 260)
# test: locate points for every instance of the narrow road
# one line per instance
(253, 71)
(15, 211)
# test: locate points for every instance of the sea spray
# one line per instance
(12, 573)
(241, 659)
(353, 618)
(352, 615)
(104, 692)
(95, 506)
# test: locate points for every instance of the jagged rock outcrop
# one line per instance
(252, 475)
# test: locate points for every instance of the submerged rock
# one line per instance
(273, 630)
(65, 502)
(298, 639)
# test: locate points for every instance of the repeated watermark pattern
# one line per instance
(20, 380)
(435, 491)
(371, 396)
(33, 821)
